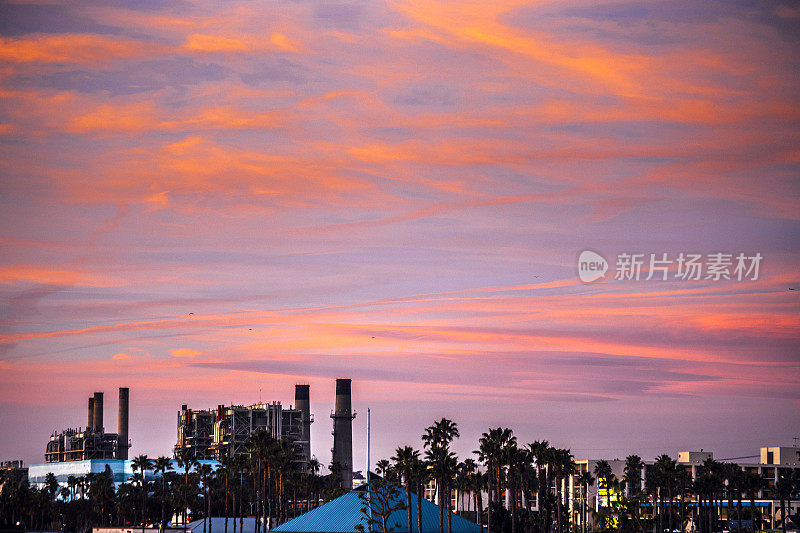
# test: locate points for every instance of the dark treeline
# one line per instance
(266, 484)
(515, 476)
(520, 487)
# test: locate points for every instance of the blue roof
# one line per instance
(344, 513)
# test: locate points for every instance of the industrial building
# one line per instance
(208, 434)
(92, 442)
(342, 450)
(211, 434)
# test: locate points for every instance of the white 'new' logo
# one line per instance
(591, 266)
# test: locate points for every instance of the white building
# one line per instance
(773, 461)
(121, 470)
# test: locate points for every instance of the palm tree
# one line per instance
(440, 459)
(72, 482)
(752, 483)
(738, 484)
(633, 474)
(314, 467)
(633, 485)
(286, 468)
(490, 453)
(163, 464)
(683, 483)
(262, 447)
(707, 485)
(404, 459)
(510, 457)
(206, 475)
(237, 466)
(437, 439)
(464, 478)
(186, 461)
(563, 467)
(540, 452)
(142, 464)
(225, 468)
(383, 467)
(602, 471)
(585, 480)
(419, 474)
(733, 475)
(784, 488)
(479, 482)
(666, 473)
(101, 492)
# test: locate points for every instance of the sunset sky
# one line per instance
(209, 202)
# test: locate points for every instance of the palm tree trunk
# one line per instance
(265, 499)
(739, 512)
(269, 491)
(512, 487)
(226, 502)
(144, 500)
(783, 515)
(585, 517)
(489, 502)
(479, 507)
(408, 502)
(420, 488)
(671, 521)
(308, 497)
(186, 497)
(449, 508)
(163, 497)
(558, 505)
(233, 510)
(441, 505)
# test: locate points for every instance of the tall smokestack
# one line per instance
(301, 403)
(343, 434)
(91, 415)
(97, 413)
(122, 423)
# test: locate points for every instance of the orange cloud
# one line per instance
(283, 43)
(476, 23)
(209, 43)
(12, 274)
(73, 48)
(137, 116)
(185, 352)
(215, 43)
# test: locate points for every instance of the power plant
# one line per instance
(343, 434)
(92, 442)
(223, 432)
(301, 403)
(212, 434)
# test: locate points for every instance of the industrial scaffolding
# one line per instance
(224, 431)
